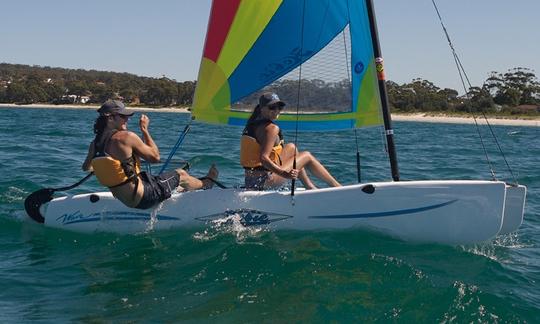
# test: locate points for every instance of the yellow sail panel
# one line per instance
(368, 112)
(250, 21)
(212, 94)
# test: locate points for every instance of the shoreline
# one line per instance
(426, 118)
(182, 110)
(416, 117)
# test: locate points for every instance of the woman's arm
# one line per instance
(266, 138)
(146, 148)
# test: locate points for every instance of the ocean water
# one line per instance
(233, 274)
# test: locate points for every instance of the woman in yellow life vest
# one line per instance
(114, 156)
(266, 160)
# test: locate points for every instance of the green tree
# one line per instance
(480, 99)
(16, 92)
(161, 92)
(3, 95)
(517, 86)
(185, 93)
(37, 94)
(78, 88)
(102, 94)
(402, 98)
(54, 91)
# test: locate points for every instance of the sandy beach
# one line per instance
(418, 117)
(465, 120)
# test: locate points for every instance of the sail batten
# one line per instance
(259, 42)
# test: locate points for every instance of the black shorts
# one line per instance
(256, 182)
(157, 188)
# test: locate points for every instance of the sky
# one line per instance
(166, 37)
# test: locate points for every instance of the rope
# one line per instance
(175, 147)
(217, 183)
(293, 183)
(358, 170)
(463, 76)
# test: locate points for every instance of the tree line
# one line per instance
(515, 91)
(35, 84)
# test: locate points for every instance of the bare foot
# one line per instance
(211, 175)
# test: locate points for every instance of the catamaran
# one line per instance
(251, 44)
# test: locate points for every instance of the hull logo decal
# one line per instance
(248, 217)
(78, 217)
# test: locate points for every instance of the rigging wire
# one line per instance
(358, 169)
(293, 182)
(463, 76)
(490, 129)
(175, 147)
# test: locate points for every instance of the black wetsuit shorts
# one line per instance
(157, 188)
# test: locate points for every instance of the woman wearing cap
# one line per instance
(266, 161)
(114, 156)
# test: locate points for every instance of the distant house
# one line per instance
(75, 99)
(69, 98)
(5, 83)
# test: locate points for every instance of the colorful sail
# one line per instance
(252, 43)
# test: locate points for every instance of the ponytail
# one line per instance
(254, 115)
(99, 127)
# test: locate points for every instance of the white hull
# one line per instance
(514, 208)
(448, 212)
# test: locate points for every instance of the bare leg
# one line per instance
(303, 176)
(211, 175)
(306, 159)
(303, 159)
(189, 182)
(288, 155)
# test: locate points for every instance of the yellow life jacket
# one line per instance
(250, 150)
(109, 171)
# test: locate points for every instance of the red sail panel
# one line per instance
(221, 18)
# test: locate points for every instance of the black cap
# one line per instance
(269, 99)
(112, 107)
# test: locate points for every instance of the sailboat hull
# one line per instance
(514, 207)
(448, 212)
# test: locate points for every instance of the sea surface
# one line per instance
(234, 274)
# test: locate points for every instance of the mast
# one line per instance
(382, 91)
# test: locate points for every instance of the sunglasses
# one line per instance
(124, 117)
(275, 107)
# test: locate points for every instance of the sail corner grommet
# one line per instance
(94, 198)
